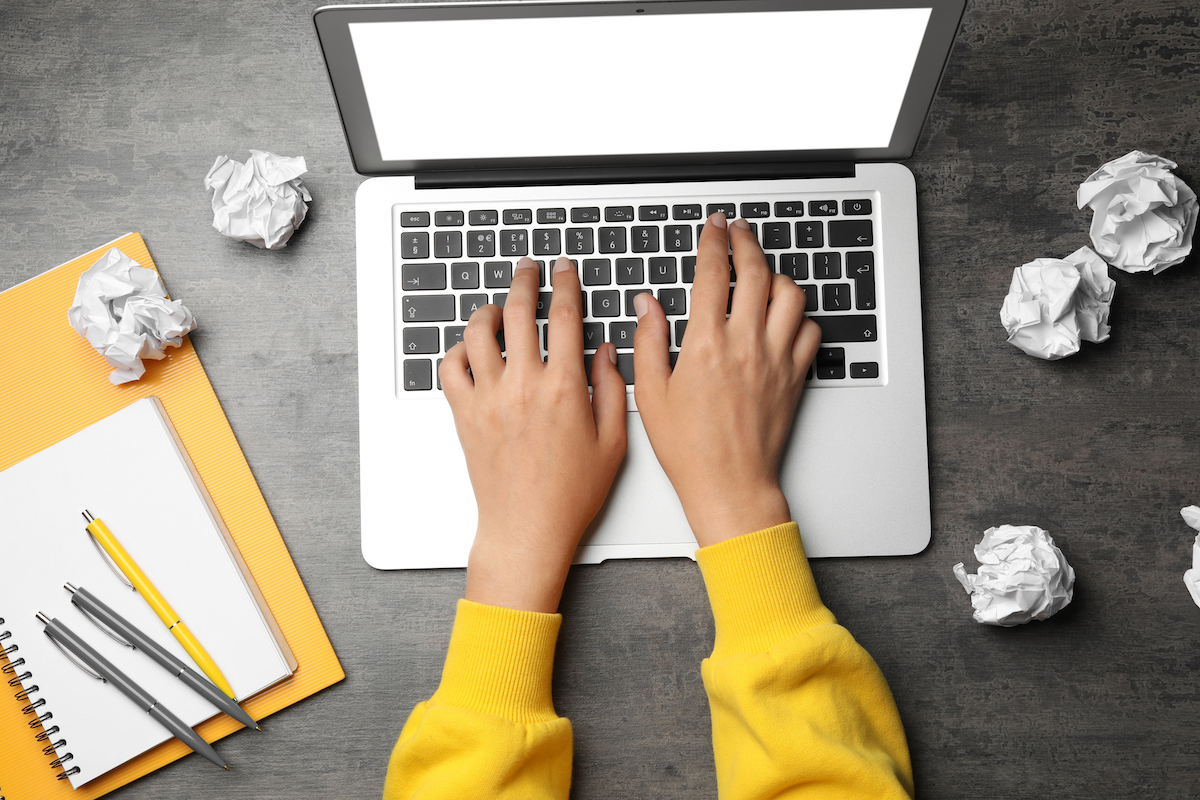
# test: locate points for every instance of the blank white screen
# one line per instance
(614, 85)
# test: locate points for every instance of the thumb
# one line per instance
(651, 342)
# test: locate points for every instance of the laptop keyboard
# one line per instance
(449, 262)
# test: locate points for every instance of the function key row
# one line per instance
(658, 213)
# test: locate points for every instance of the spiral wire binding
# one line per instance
(16, 681)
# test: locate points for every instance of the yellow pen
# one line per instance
(100, 533)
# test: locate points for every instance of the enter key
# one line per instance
(861, 267)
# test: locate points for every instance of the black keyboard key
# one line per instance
(621, 334)
(593, 335)
(468, 304)
(490, 217)
(794, 265)
(630, 272)
(645, 238)
(770, 261)
(677, 238)
(481, 244)
(864, 369)
(674, 356)
(618, 214)
(625, 367)
(541, 265)
(810, 297)
(662, 269)
(427, 308)
(414, 219)
(551, 216)
(822, 208)
(590, 214)
(612, 240)
(543, 305)
(518, 216)
(728, 209)
(579, 241)
(414, 245)
(686, 212)
(448, 219)
(777, 235)
(464, 275)
(447, 244)
(848, 328)
(418, 374)
(790, 208)
(861, 267)
(851, 233)
(810, 234)
(514, 243)
(652, 213)
(423, 277)
(689, 269)
(673, 301)
(835, 296)
(419, 340)
(751, 210)
(606, 304)
(854, 208)
(546, 241)
(680, 329)
(629, 295)
(454, 335)
(830, 363)
(597, 272)
(497, 274)
(827, 266)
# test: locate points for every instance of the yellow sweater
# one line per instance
(799, 709)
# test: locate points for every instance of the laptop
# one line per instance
(607, 133)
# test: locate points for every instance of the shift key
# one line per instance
(427, 308)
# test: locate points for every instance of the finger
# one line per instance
(804, 346)
(480, 345)
(608, 399)
(456, 382)
(651, 356)
(753, 277)
(785, 312)
(566, 319)
(520, 330)
(710, 290)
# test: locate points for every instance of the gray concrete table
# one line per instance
(110, 116)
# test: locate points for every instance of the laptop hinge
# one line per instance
(460, 179)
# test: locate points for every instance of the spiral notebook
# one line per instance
(130, 470)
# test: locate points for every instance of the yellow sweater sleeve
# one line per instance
(799, 709)
(490, 730)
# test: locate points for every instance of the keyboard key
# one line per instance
(606, 304)
(612, 240)
(673, 301)
(629, 295)
(419, 340)
(414, 219)
(751, 210)
(791, 208)
(662, 269)
(484, 217)
(464, 275)
(827, 266)
(835, 296)
(414, 245)
(542, 311)
(830, 363)
(427, 307)
(447, 219)
(518, 216)
(810, 234)
(680, 329)
(621, 334)
(497, 274)
(514, 243)
(851, 233)
(597, 272)
(794, 265)
(481, 244)
(851, 208)
(652, 213)
(810, 297)
(822, 208)
(541, 265)
(437, 373)
(447, 244)
(423, 277)
(728, 209)
(630, 272)
(686, 212)
(454, 335)
(579, 241)
(468, 304)
(591, 214)
(418, 374)
(674, 356)
(689, 269)
(618, 214)
(861, 267)
(645, 238)
(864, 369)
(593, 335)
(677, 238)
(848, 328)
(551, 216)
(499, 299)
(546, 241)
(625, 367)
(777, 235)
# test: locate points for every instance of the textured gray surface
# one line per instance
(110, 115)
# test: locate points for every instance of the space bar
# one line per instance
(849, 328)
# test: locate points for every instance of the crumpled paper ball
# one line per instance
(1022, 576)
(1143, 216)
(262, 201)
(1191, 578)
(1054, 303)
(123, 311)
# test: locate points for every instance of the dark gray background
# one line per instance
(110, 116)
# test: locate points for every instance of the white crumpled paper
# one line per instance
(1143, 216)
(1191, 578)
(1022, 576)
(262, 201)
(1053, 303)
(122, 309)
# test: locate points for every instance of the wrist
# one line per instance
(719, 519)
(508, 579)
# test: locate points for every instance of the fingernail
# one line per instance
(640, 304)
(612, 351)
(741, 223)
(526, 263)
(562, 265)
(718, 219)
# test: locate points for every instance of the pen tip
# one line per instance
(258, 728)
(227, 768)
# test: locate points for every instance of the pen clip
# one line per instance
(111, 564)
(104, 628)
(74, 660)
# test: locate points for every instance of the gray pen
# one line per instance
(92, 606)
(72, 645)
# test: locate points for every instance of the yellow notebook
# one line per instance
(52, 385)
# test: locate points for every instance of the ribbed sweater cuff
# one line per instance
(500, 662)
(761, 590)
